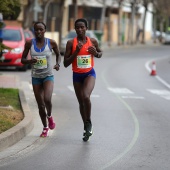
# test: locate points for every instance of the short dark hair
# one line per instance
(38, 22)
(81, 20)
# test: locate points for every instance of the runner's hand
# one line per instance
(92, 50)
(56, 67)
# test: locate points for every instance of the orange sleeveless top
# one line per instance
(84, 61)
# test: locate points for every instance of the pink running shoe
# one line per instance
(44, 132)
(51, 123)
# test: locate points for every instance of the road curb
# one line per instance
(16, 133)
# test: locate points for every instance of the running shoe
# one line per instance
(87, 131)
(51, 123)
(44, 132)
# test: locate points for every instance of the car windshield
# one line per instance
(73, 34)
(168, 32)
(27, 35)
(11, 35)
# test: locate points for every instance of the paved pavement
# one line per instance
(25, 133)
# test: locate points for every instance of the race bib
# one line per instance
(83, 61)
(41, 62)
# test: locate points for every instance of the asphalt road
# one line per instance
(130, 114)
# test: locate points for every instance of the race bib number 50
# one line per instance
(41, 62)
(84, 61)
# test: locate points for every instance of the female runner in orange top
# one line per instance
(80, 52)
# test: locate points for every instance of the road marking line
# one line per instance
(133, 97)
(166, 97)
(92, 95)
(157, 77)
(136, 127)
(120, 90)
(71, 88)
(124, 91)
(30, 86)
(159, 92)
(162, 93)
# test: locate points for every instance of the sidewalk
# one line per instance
(15, 134)
(7, 81)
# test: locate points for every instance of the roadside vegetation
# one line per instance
(10, 108)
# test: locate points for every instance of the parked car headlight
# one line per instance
(17, 50)
(18, 60)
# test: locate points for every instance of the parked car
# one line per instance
(71, 35)
(158, 35)
(166, 38)
(13, 37)
(28, 34)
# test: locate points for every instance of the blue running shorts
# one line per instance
(42, 80)
(80, 77)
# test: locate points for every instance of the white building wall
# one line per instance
(149, 18)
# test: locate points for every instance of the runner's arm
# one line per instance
(95, 49)
(24, 59)
(69, 56)
(55, 48)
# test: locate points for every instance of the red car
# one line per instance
(28, 34)
(14, 38)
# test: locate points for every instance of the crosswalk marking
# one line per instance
(133, 97)
(166, 97)
(159, 92)
(162, 93)
(72, 89)
(120, 90)
(126, 93)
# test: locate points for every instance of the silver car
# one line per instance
(71, 35)
(166, 38)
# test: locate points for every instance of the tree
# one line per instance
(10, 9)
(62, 3)
(120, 30)
(145, 4)
(161, 16)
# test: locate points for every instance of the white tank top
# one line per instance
(43, 67)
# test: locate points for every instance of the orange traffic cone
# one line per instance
(153, 72)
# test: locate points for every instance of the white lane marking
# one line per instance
(166, 97)
(162, 93)
(159, 92)
(133, 97)
(95, 95)
(72, 89)
(30, 86)
(136, 128)
(163, 82)
(124, 91)
(157, 77)
(120, 90)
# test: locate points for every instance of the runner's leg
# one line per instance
(88, 87)
(78, 87)
(39, 96)
(48, 90)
